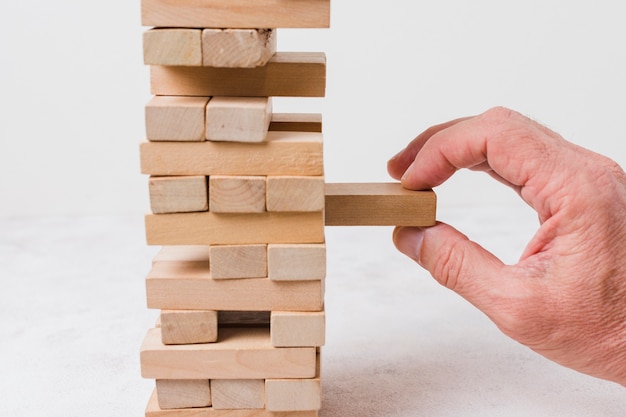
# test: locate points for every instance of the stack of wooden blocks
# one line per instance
(237, 196)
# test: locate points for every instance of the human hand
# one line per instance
(566, 296)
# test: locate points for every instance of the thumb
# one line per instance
(453, 260)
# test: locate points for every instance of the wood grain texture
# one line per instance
(283, 153)
(208, 228)
(189, 286)
(296, 262)
(183, 393)
(238, 394)
(238, 119)
(239, 354)
(170, 46)
(378, 204)
(295, 193)
(179, 327)
(178, 194)
(238, 261)
(296, 122)
(236, 13)
(153, 410)
(288, 74)
(297, 328)
(237, 48)
(237, 194)
(176, 118)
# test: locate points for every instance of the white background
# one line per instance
(73, 87)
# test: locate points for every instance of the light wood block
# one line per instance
(238, 261)
(237, 194)
(296, 122)
(186, 253)
(233, 229)
(172, 47)
(176, 118)
(295, 193)
(238, 394)
(296, 262)
(188, 285)
(183, 393)
(236, 13)
(283, 153)
(378, 204)
(298, 329)
(179, 327)
(284, 395)
(239, 354)
(153, 410)
(178, 194)
(287, 74)
(238, 119)
(237, 48)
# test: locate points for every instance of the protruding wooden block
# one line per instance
(378, 204)
(238, 394)
(176, 118)
(153, 410)
(296, 262)
(238, 261)
(236, 13)
(296, 122)
(169, 46)
(208, 228)
(295, 193)
(183, 393)
(178, 194)
(179, 327)
(298, 329)
(238, 119)
(188, 285)
(290, 74)
(283, 153)
(239, 354)
(234, 194)
(237, 48)
(284, 395)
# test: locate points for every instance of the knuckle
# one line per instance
(449, 265)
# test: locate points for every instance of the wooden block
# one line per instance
(295, 193)
(183, 393)
(283, 395)
(176, 118)
(296, 122)
(238, 261)
(238, 394)
(243, 318)
(238, 119)
(283, 153)
(187, 253)
(233, 229)
(297, 328)
(189, 286)
(378, 204)
(290, 74)
(239, 354)
(179, 327)
(237, 194)
(295, 262)
(236, 13)
(237, 48)
(172, 47)
(153, 410)
(178, 194)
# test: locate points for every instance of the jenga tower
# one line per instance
(237, 198)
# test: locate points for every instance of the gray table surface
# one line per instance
(73, 315)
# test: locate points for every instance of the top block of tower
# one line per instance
(244, 14)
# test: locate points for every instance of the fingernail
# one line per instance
(409, 240)
(407, 173)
